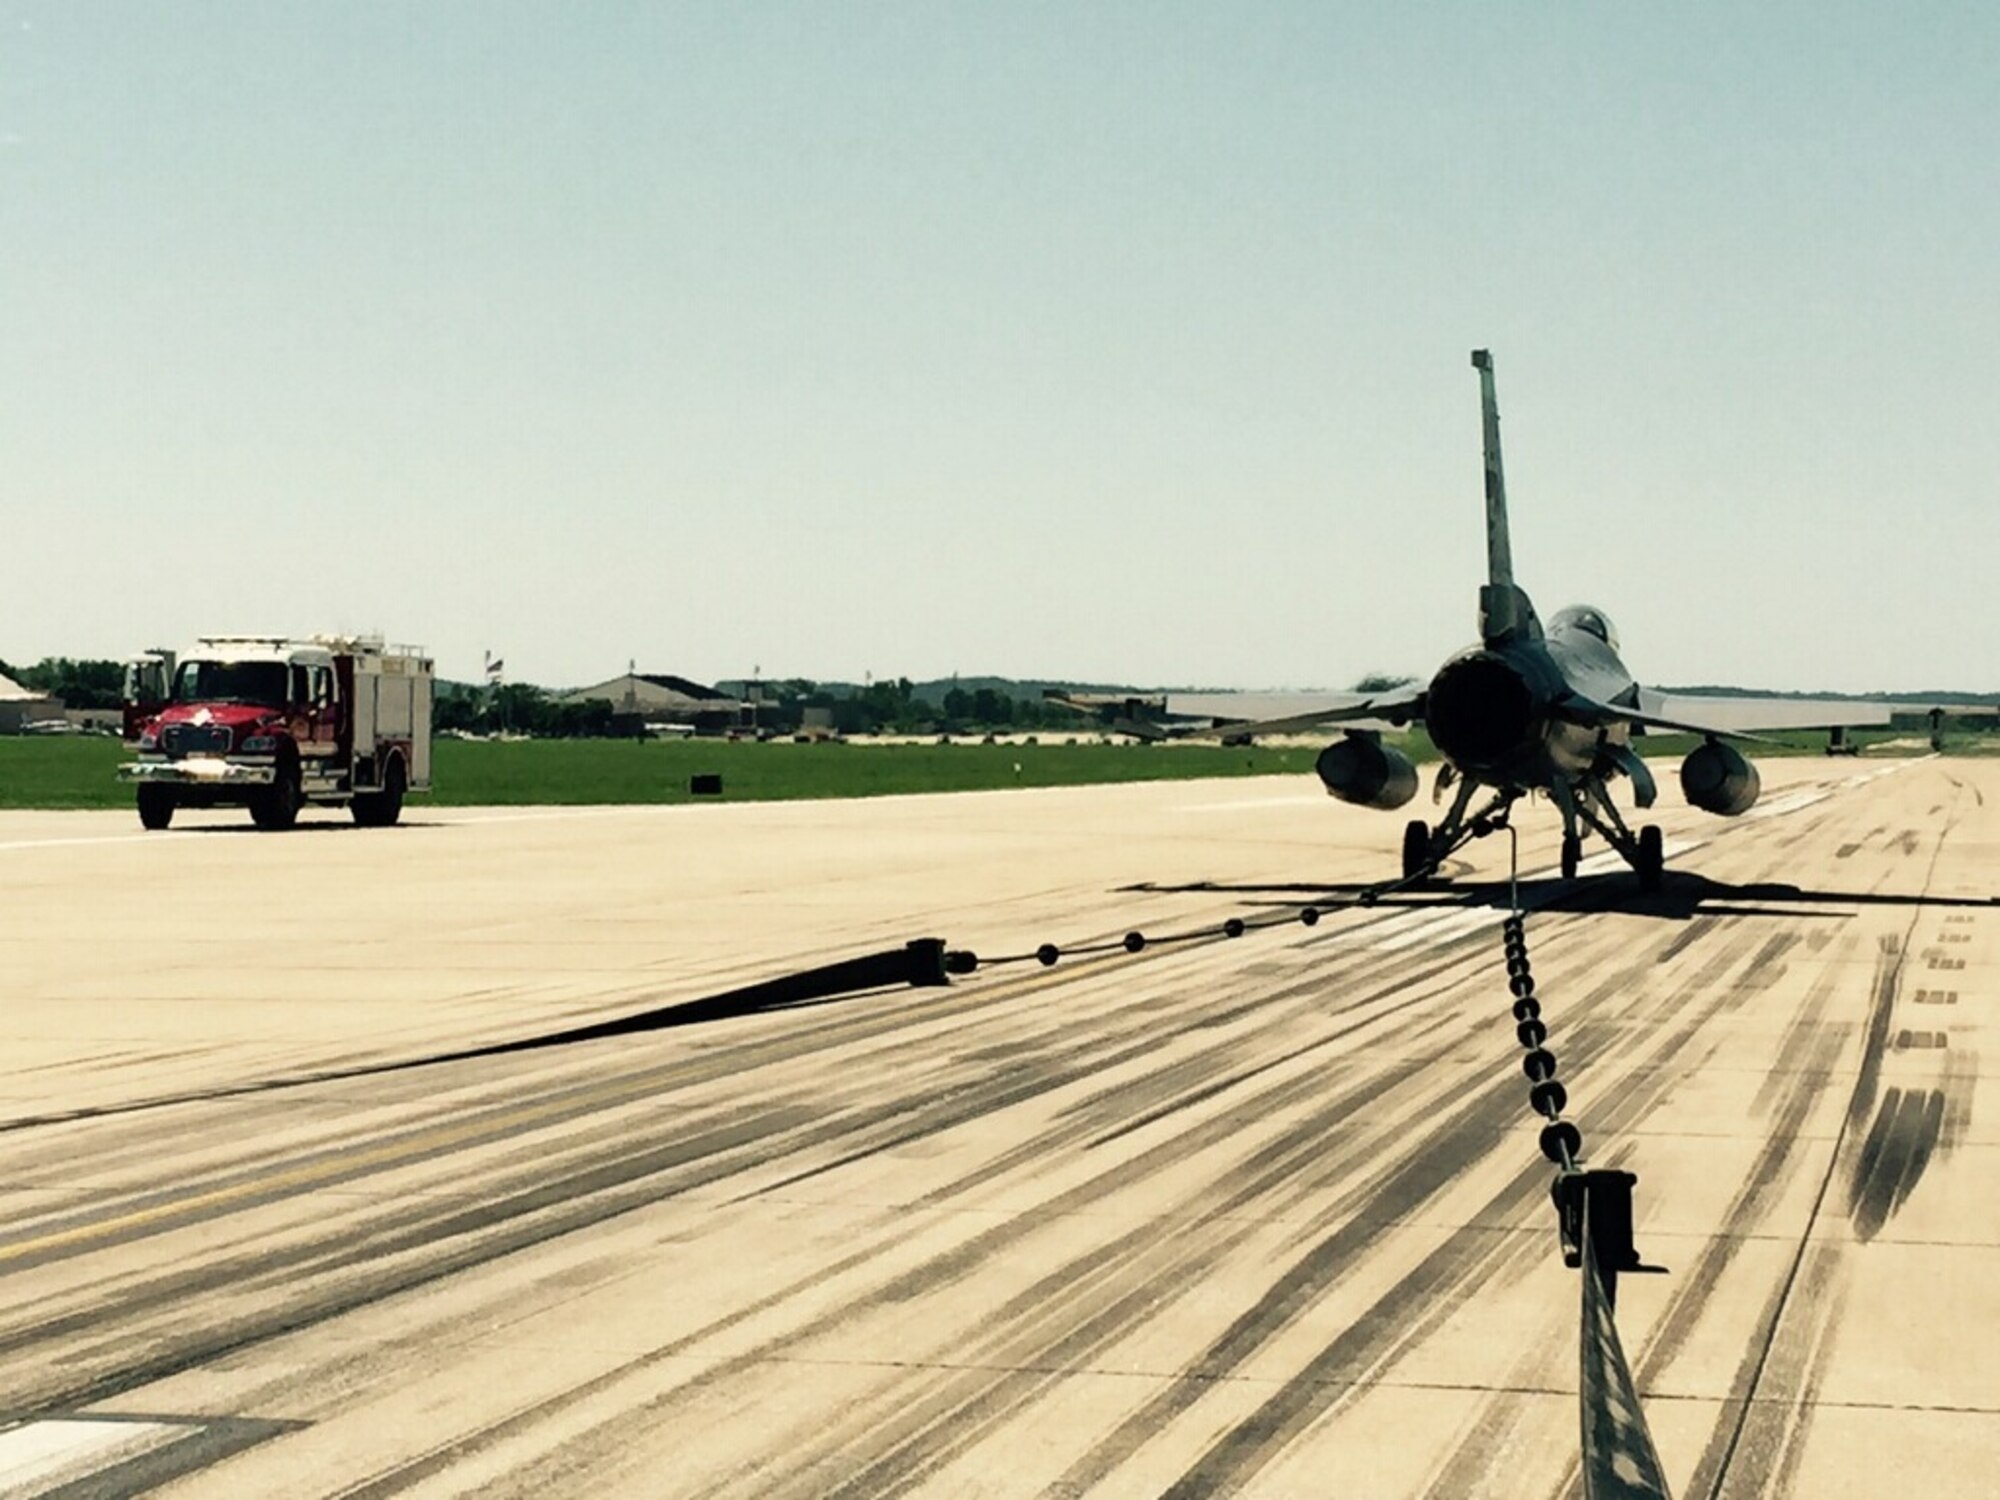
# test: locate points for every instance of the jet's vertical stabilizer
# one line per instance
(1504, 610)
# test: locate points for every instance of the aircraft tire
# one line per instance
(156, 807)
(1572, 855)
(1652, 858)
(1416, 847)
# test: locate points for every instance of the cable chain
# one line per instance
(1562, 1142)
(965, 961)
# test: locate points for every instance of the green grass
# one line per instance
(622, 771)
(61, 772)
(80, 772)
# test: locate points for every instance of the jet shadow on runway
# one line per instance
(1681, 897)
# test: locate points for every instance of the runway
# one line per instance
(1258, 1217)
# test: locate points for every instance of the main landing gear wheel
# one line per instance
(1416, 848)
(1572, 855)
(156, 807)
(1652, 861)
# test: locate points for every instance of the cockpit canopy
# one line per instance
(1588, 620)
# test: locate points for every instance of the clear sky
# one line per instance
(1116, 341)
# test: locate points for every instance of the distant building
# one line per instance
(660, 698)
(20, 707)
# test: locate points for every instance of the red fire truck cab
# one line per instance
(273, 724)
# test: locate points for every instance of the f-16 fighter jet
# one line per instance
(1531, 707)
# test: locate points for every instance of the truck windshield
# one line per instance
(260, 682)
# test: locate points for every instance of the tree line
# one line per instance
(782, 707)
(890, 706)
(80, 684)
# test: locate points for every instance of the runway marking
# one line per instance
(38, 1457)
(1242, 804)
(1790, 803)
(1430, 929)
(97, 838)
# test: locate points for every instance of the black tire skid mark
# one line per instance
(423, 1226)
(571, 1187)
(389, 1249)
(1160, 1159)
(1236, 1459)
(1787, 1098)
(1765, 1465)
(957, 1425)
(1731, 1462)
(398, 1235)
(589, 1095)
(900, 1434)
(961, 1262)
(1697, 928)
(1118, 1110)
(1025, 1077)
(405, 1232)
(1276, 1165)
(969, 1413)
(1808, 1034)
(1904, 1133)
(809, 1029)
(1085, 1118)
(375, 1271)
(1506, 1093)
(1716, 1465)
(1471, 1464)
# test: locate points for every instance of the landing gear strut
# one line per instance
(1425, 848)
(1586, 804)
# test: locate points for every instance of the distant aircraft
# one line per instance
(1527, 709)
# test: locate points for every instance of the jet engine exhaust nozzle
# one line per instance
(1361, 769)
(1481, 711)
(1719, 779)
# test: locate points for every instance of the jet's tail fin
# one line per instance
(1505, 612)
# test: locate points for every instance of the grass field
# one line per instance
(79, 772)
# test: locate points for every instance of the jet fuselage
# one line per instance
(1492, 710)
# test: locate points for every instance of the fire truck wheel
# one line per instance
(156, 806)
(277, 807)
(381, 809)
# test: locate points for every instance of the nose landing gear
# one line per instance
(1588, 805)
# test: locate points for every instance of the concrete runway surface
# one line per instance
(1252, 1217)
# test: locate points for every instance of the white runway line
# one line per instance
(1790, 803)
(38, 1457)
(1251, 804)
(97, 838)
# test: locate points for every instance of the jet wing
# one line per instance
(1243, 715)
(1726, 718)
(1705, 715)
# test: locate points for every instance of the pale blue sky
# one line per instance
(1109, 341)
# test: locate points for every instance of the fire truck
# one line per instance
(274, 724)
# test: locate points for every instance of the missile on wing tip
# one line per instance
(1482, 359)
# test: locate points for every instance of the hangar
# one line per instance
(661, 698)
(20, 707)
